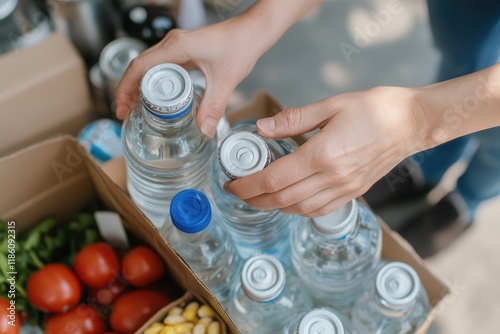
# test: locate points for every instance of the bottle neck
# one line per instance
(174, 125)
(390, 311)
(345, 239)
(198, 237)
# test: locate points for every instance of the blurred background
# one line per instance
(310, 63)
(338, 47)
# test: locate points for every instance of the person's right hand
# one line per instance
(225, 52)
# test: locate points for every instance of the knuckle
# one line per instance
(282, 200)
(174, 36)
(269, 184)
(303, 208)
(290, 117)
(136, 63)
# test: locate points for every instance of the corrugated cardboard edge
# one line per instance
(177, 266)
(181, 302)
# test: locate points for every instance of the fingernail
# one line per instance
(266, 124)
(226, 188)
(208, 127)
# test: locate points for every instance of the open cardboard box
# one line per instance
(58, 178)
(43, 92)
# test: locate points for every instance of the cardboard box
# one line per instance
(65, 178)
(57, 178)
(395, 248)
(43, 92)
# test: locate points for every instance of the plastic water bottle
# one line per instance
(336, 255)
(164, 150)
(319, 321)
(202, 242)
(395, 303)
(254, 231)
(265, 296)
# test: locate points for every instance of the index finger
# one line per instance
(127, 90)
(280, 174)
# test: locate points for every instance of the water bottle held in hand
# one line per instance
(164, 150)
(242, 153)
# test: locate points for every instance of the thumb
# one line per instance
(212, 107)
(296, 121)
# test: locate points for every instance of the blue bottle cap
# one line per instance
(190, 211)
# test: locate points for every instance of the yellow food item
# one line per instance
(175, 311)
(168, 330)
(206, 311)
(205, 321)
(190, 312)
(199, 329)
(214, 328)
(184, 327)
(154, 328)
(174, 319)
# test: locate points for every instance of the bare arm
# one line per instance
(363, 136)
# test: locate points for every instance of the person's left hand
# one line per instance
(363, 136)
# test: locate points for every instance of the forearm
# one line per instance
(459, 107)
(268, 20)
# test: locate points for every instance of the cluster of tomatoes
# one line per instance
(102, 290)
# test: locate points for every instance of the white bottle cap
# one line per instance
(320, 321)
(263, 278)
(338, 223)
(397, 284)
(166, 90)
(243, 153)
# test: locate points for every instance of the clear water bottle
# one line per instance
(396, 302)
(254, 231)
(265, 296)
(336, 255)
(202, 242)
(164, 150)
(319, 321)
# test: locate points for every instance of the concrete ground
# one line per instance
(357, 44)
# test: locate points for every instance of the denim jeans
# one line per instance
(467, 33)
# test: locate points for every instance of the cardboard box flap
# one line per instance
(36, 178)
(115, 197)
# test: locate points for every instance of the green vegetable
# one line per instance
(47, 242)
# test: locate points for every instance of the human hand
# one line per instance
(363, 136)
(225, 52)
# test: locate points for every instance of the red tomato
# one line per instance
(142, 266)
(97, 265)
(81, 320)
(10, 322)
(106, 295)
(54, 288)
(132, 309)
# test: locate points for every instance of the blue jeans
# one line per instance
(467, 33)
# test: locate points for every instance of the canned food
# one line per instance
(114, 60)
